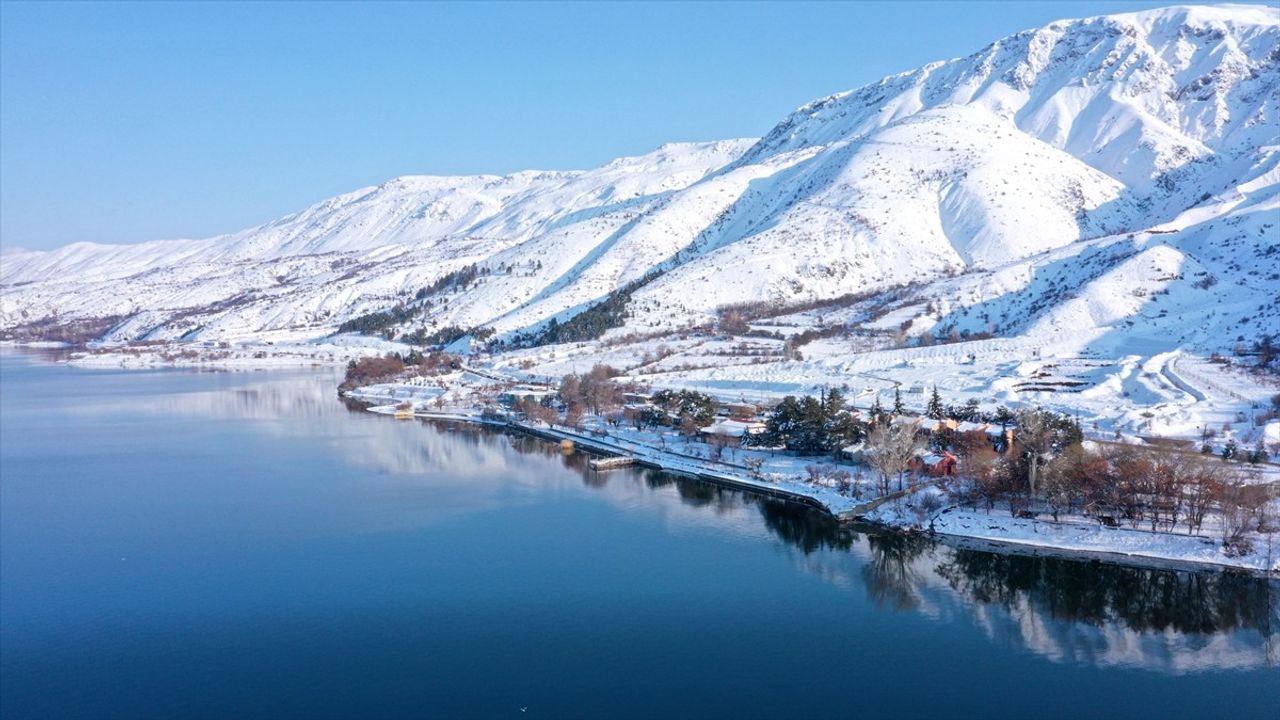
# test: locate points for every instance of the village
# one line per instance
(1022, 478)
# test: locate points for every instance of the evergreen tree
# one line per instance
(832, 402)
(810, 436)
(811, 425)
(897, 401)
(782, 422)
(877, 410)
(843, 430)
(935, 410)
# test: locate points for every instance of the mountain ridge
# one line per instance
(1069, 134)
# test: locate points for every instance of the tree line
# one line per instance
(810, 425)
(374, 369)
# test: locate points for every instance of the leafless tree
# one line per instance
(891, 447)
(718, 444)
(688, 427)
(573, 416)
(1204, 485)
(1034, 435)
(733, 323)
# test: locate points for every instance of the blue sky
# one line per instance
(131, 122)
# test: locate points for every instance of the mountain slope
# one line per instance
(973, 179)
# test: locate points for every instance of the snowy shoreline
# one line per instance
(994, 531)
(1083, 539)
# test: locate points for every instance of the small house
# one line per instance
(1001, 438)
(516, 394)
(731, 432)
(856, 453)
(741, 410)
(941, 464)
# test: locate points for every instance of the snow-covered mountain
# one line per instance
(1054, 184)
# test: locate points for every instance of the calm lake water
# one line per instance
(179, 544)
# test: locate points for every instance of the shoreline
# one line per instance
(1101, 546)
(602, 447)
(864, 513)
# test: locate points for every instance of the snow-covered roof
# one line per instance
(967, 426)
(529, 392)
(734, 428)
(934, 458)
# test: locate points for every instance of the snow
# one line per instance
(924, 506)
(1097, 200)
(1082, 535)
(1083, 129)
(733, 428)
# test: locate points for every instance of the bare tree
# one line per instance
(1204, 485)
(688, 427)
(718, 443)
(1242, 505)
(733, 323)
(1035, 432)
(890, 447)
(573, 416)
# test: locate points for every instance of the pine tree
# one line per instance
(897, 402)
(877, 410)
(935, 410)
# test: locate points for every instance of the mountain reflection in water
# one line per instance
(1067, 611)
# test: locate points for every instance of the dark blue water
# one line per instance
(189, 545)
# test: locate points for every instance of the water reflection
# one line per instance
(1115, 615)
(891, 574)
(1066, 611)
(803, 527)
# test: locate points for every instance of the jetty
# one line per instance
(609, 463)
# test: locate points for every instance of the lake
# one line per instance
(189, 545)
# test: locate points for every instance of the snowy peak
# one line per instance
(1175, 84)
(964, 179)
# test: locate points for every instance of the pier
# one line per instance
(609, 463)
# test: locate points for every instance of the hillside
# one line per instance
(1099, 187)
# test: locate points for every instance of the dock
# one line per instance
(609, 463)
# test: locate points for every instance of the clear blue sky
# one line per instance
(130, 122)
